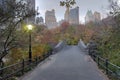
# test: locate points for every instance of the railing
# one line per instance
(110, 68)
(21, 67)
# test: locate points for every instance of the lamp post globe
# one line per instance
(30, 27)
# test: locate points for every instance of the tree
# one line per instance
(68, 4)
(115, 13)
(64, 26)
(107, 35)
(11, 16)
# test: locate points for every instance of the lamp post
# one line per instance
(30, 27)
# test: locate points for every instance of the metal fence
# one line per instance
(111, 69)
(21, 67)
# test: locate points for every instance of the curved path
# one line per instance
(69, 64)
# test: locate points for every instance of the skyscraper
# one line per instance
(92, 17)
(50, 19)
(97, 16)
(89, 17)
(74, 16)
(31, 5)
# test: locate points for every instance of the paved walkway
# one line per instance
(69, 64)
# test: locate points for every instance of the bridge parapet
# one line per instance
(59, 46)
(82, 45)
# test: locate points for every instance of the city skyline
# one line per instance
(84, 6)
(92, 16)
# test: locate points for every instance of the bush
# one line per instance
(72, 41)
(18, 54)
(39, 50)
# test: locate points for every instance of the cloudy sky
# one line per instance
(84, 5)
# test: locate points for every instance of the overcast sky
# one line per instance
(84, 5)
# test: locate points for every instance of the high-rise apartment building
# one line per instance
(97, 16)
(31, 5)
(74, 16)
(92, 17)
(50, 19)
(89, 17)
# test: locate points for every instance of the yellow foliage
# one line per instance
(16, 55)
(39, 50)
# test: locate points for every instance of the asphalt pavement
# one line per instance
(69, 64)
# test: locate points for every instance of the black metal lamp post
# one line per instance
(30, 27)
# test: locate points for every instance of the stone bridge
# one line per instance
(71, 63)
